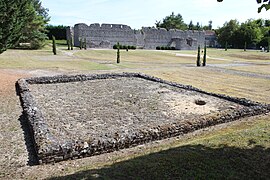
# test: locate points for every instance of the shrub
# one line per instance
(199, 56)
(133, 47)
(204, 55)
(68, 43)
(173, 48)
(54, 45)
(71, 43)
(115, 46)
(158, 48)
(129, 47)
(85, 44)
(118, 53)
(124, 47)
(81, 44)
(162, 48)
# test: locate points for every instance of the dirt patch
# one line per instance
(7, 82)
(250, 56)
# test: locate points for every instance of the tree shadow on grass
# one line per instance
(188, 162)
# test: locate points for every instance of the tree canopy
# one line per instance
(263, 4)
(59, 32)
(253, 33)
(172, 22)
(21, 21)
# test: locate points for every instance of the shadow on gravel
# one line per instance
(28, 135)
(29, 142)
(188, 162)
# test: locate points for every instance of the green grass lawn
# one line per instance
(237, 151)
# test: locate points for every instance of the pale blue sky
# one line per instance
(138, 13)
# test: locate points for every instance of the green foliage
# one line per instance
(264, 4)
(59, 32)
(68, 43)
(199, 56)
(34, 30)
(54, 45)
(198, 27)
(252, 32)
(118, 53)
(226, 33)
(71, 43)
(165, 48)
(191, 26)
(85, 45)
(133, 47)
(172, 22)
(14, 17)
(268, 47)
(116, 46)
(204, 55)
(81, 44)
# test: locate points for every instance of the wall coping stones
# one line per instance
(50, 150)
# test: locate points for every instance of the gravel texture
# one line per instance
(84, 115)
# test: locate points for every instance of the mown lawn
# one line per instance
(238, 150)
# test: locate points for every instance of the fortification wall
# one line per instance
(106, 35)
(185, 40)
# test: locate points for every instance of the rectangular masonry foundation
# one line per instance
(85, 115)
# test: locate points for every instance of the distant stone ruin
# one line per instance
(107, 35)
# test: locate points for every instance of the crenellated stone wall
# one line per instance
(106, 35)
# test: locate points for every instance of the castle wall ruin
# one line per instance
(107, 35)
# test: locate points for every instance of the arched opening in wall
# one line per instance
(173, 44)
(189, 41)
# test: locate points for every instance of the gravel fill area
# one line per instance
(85, 115)
(117, 107)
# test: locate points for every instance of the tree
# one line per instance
(264, 4)
(199, 57)
(210, 25)
(118, 53)
(198, 27)
(14, 16)
(226, 33)
(59, 32)
(54, 45)
(252, 34)
(265, 29)
(204, 55)
(34, 30)
(172, 22)
(191, 26)
(249, 33)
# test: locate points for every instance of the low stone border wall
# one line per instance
(49, 150)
